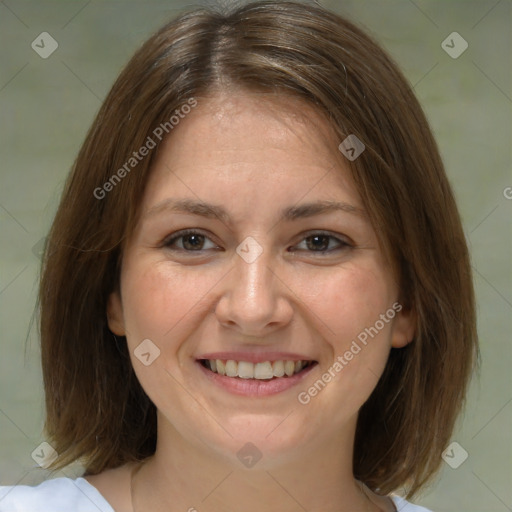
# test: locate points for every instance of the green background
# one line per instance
(47, 105)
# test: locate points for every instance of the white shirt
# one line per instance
(78, 495)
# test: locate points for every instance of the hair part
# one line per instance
(97, 412)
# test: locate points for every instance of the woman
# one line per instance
(257, 279)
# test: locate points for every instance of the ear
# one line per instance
(115, 316)
(404, 327)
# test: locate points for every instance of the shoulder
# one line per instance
(55, 495)
(404, 506)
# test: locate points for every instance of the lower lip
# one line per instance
(255, 387)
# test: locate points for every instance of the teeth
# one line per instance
(245, 370)
(278, 368)
(231, 368)
(221, 369)
(262, 371)
(289, 368)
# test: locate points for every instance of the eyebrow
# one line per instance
(212, 211)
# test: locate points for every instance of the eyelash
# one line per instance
(341, 244)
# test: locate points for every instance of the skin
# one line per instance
(254, 155)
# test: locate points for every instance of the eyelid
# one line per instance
(166, 242)
(320, 232)
(342, 240)
(341, 244)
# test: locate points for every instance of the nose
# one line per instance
(254, 300)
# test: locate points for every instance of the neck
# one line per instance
(187, 476)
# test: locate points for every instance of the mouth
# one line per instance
(266, 370)
(256, 379)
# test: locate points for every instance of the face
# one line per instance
(254, 257)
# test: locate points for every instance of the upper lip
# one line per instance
(255, 357)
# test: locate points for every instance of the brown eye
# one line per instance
(193, 242)
(189, 241)
(317, 242)
(321, 243)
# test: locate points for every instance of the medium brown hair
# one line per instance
(97, 412)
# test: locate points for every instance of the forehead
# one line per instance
(259, 147)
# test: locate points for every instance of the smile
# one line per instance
(265, 370)
(255, 379)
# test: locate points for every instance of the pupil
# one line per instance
(193, 241)
(320, 242)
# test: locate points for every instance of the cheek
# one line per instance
(347, 301)
(361, 334)
(160, 300)
(163, 304)
(349, 305)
